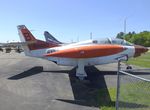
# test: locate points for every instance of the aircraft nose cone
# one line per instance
(139, 50)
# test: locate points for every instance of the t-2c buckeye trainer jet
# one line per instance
(80, 54)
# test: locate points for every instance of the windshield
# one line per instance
(102, 41)
(121, 42)
(112, 41)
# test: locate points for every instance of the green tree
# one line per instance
(142, 38)
(120, 35)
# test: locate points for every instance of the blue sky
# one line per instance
(72, 20)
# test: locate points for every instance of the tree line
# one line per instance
(142, 38)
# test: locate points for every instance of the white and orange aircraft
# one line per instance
(81, 54)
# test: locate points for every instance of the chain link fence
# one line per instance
(133, 92)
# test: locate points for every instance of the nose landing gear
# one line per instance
(129, 67)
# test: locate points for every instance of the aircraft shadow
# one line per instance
(86, 93)
(30, 72)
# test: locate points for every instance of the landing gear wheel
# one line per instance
(129, 67)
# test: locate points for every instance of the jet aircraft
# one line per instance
(51, 39)
(80, 54)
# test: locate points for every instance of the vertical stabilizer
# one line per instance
(26, 37)
(51, 39)
(31, 43)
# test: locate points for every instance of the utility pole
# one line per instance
(125, 23)
(91, 35)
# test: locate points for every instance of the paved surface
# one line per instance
(35, 84)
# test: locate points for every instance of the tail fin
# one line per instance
(31, 42)
(50, 39)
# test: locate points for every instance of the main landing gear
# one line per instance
(80, 72)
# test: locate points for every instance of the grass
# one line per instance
(107, 100)
(137, 98)
(136, 95)
(142, 61)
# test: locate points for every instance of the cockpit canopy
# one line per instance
(112, 41)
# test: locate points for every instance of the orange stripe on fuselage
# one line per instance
(88, 51)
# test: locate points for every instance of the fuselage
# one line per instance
(92, 52)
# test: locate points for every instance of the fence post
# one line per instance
(118, 85)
